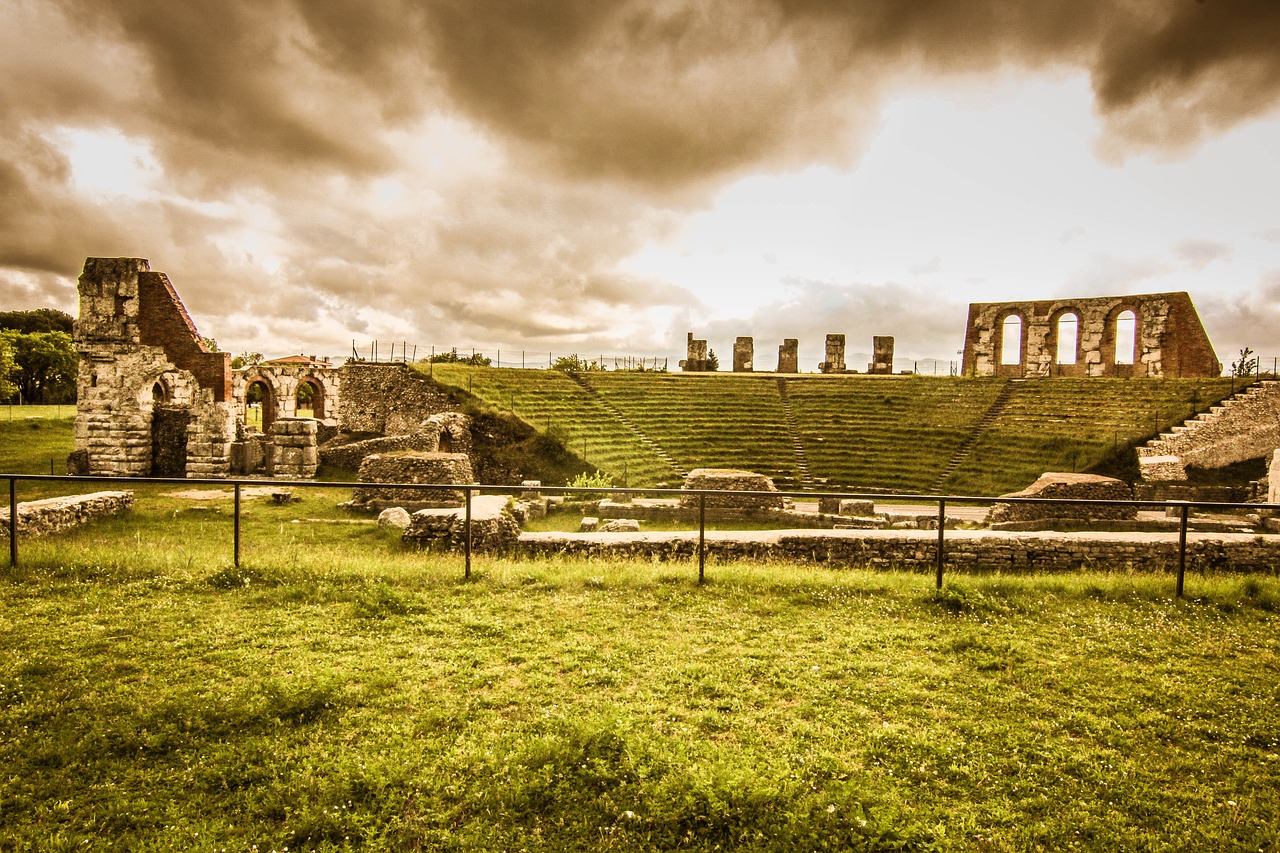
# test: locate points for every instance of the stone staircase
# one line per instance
(965, 450)
(628, 424)
(802, 462)
(1243, 426)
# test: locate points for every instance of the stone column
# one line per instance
(293, 449)
(743, 355)
(835, 355)
(788, 356)
(881, 354)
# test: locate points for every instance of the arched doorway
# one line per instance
(259, 405)
(309, 399)
(1126, 337)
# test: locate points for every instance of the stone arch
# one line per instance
(1064, 341)
(260, 393)
(311, 391)
(159, 392)
(1117, 334)
(1010, 357)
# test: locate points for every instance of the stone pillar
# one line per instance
(881, 354)
(696, 355)
(1273, 478)
(835, 355)
(293, 449)
(744, 350)
(788, 356)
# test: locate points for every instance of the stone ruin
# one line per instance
(152, 400)
(696, 356)
(834, 362)
(728, 479)
(381, 471)
(789, 356)
(881, 355)
(743, 355)
(1029, 516)
(1154, 335)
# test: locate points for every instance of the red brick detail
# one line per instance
(163, 321)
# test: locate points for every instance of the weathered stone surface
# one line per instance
(588, 524)
(492, 527)
(915, 550)
(853, 506)
(744, 349)
(695, 355)
(53, 515)
(394, 516)
(407, 468)
(881, 354)
(620, 525)
(1071, 486)
(728, 479)
(1246, 426)
(1169, 339)
(390, 399)
(835, 355)
(293, 449)
(1273, 478)
(789, 356)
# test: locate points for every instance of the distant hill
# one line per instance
(850, 432)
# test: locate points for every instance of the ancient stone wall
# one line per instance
(1168, 338)
(389, 399)
(1088, 487)
(834, 362)
(282, 381)
(695, 355)
(727, 479)
(744, 353)
(1246, 426)
(53, 515)
(411, 467)
(910, 550)
(789, 356)
(881, 354)
(139, 350)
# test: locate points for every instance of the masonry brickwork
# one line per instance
(695, 360)
(1169, 339)
(387, 399)
(139, 350)
(834, 362)
(789, 356)
(1245, 426)
(54, 515)
(744, 354)
(881, 354)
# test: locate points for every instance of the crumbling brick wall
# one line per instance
(389, 399)
(1169, 339)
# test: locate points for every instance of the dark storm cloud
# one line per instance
(604, 123)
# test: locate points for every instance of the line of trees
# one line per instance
(38, 360)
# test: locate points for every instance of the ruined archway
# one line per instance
(309, 399)
(259, 404)
(1122, 341)
(1010, 345)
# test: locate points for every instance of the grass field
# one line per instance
(338, 692)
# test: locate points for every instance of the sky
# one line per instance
(602, 178)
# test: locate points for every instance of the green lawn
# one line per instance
(341, 693)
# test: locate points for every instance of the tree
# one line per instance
(7, 369)
(713, 361)
(246, 359)
(452, 357)
(211, 344)
(1246, 365)
(573, 364)
(47, 365)
(39, 320)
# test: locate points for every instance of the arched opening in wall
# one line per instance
(1067, 333)
(159, 393)
(259, 405)
(446, 442)
(1011, 340)
(1126, 332)
(309, 399)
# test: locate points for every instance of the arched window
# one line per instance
(1011, 340)
(1068, 332)
(159, 394)
(1126, 337)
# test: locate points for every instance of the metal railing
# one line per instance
(472, 489)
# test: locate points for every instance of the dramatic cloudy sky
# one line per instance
(602, 177)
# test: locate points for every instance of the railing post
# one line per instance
(467, 539)
(702, 538)
(942, 526)
(13, 522)
(237, 526)
(1182, 549)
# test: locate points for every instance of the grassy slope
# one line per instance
(893, 432)
(334, 697)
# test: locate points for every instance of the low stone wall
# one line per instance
(493, 529)
(52, 515)
(1090, 487)
(411, 467)
(911, 550)
(728, 479)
